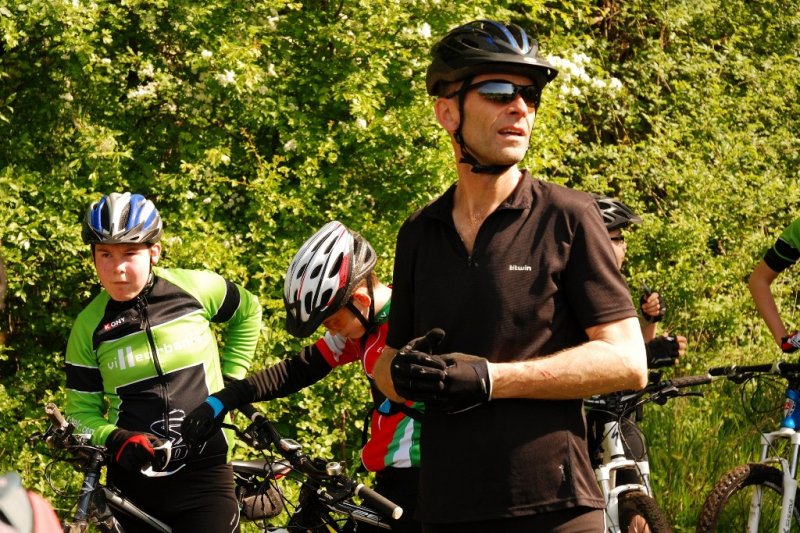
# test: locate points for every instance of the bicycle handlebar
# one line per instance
(61, 436)
(657, 391)
(781, 368)
(55, 416)
(261, 433)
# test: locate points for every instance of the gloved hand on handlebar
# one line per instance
(663, 351)
(416, 374)
(132, 450)
(791, 343)
(207, 418)
(467, 383)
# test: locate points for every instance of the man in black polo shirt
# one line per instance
(520, 273)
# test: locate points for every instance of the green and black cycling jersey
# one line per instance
(786, 250)
(143, 364)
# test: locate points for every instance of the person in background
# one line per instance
(332, 282)
(24, 511)
(783, 254)
(507, 310)
(662, 350)
(143, 353)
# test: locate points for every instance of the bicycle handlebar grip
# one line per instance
(266, 427)
(249, 411)
(721, 370)
(380, 503)
(55, 416)
(789, 367)
(690, 381)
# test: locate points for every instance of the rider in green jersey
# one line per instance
(143, 353)
(783, 254)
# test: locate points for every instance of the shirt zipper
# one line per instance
(144, 324)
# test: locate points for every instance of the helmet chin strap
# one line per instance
(468, 158)
(369, 322)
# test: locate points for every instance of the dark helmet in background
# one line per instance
(323, 275)
(484, 46)
(122, 218)
(615, 213)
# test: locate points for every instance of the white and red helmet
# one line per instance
(323, 275)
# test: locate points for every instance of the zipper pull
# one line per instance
(140, 307)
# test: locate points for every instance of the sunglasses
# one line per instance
(503, 92)
(618, 238)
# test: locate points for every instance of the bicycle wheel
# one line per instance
(727, 507)
(639, 513)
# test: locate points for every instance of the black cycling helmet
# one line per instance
(323, 275)
(615, 213)
(122, 218)
(484, 46)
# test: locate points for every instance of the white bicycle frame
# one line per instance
(613, 460)
(789, 470)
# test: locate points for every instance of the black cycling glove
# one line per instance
(467, 383)
(132, 450)
(207, 418)
(416, 374)
(662, 351)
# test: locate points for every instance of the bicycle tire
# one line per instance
(639, 513)
(727, 506)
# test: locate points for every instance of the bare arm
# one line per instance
(760, 281)
(613, 359)
(381, 373)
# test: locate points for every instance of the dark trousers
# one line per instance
(577, 520)
(401, 486)
(188, 501)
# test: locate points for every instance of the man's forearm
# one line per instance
(614, 360)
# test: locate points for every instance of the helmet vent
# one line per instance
(326, 297)
(123, 219)
(334, 270)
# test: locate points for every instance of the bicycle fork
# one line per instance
(613, 460)
(789, 470)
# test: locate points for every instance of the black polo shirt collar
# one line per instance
(521, 198)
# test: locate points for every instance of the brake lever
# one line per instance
(163, 455)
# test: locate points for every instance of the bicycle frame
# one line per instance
(786, 462)
(98, 503)
(789, 469)
(614, 460)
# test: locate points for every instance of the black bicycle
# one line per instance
(325, 498)
(631, 506)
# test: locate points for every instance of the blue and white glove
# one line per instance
(205, 420)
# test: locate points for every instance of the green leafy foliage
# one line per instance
(251, 124)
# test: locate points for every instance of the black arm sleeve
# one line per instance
(290, 375)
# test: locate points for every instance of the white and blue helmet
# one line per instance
(122, 218)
